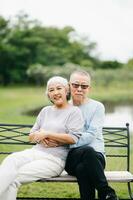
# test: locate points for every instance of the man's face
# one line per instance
(79, 86)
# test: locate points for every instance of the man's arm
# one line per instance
(93, 127)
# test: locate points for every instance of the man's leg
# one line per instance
(92, 170)
(86, 188)
(95, 173)
(74, 166)
(94, 164)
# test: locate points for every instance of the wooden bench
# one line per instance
(117, 146)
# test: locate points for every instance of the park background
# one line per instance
(31, 52)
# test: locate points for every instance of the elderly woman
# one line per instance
(60, 122)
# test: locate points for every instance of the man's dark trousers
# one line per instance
(88, 166)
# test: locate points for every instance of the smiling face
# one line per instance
(80, 87)
(57, 93)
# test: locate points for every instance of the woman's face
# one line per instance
(57, 94)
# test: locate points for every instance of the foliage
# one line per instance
(129, 64)
(3, 48)
(112, 77)
(110, 64)
(30, 52)
(100, 77)
(40, 74)
(25, 42)
(17, 51)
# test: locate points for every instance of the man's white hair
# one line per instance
(83, 73)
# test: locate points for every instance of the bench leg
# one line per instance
(130, 191)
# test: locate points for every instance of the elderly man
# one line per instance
(86, 159)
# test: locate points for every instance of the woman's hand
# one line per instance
(37, 136)
(51, 139)
(50, 143)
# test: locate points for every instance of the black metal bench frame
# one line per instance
(114, 137)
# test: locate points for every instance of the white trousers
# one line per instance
(24, 167)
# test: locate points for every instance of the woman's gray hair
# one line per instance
(57, 79)
(60, 80)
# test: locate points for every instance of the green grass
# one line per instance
(114, 94)
(15, 101)
(63, 190)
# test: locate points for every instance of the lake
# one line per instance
(119, 115)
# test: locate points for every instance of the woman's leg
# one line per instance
(10, 193)
(10, 166)
(44, 166)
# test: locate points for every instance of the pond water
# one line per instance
(119, 115)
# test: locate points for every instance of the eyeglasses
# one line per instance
(76, 85)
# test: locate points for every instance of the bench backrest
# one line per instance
(14, 137)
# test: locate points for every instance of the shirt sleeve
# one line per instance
(92, 127)
(75, 124)
(37, 124)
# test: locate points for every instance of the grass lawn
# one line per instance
(15, 101)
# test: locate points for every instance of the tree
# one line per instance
(25, 42)
(111, 64)
(130, 64)
(4, 48)
(17, 49)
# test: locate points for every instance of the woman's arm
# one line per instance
(73, 125)
(62, 138)
(44, 136)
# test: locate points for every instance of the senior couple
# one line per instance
(67, 135)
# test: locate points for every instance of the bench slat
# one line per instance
(112, 176)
